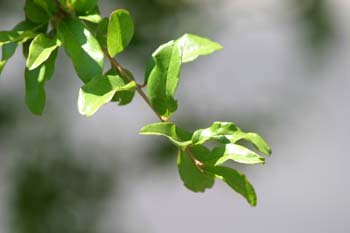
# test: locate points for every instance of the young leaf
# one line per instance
(40, 50)
(7, 52)
(163, 79)
(100, 91)
(82, 47)
(35, 12)
(193, 178)
(120, 31)
(217, 131)
(193, 46)
(235, 180)
(92, 16)
(236, 153)
(35, 84)
(176, 135)
(258, 142)
(227, 132)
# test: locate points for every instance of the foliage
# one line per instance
(88, 39)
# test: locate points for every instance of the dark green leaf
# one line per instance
(82, 6)
(236, 153)
(7, 52)
(164, 78)
(193, 46)
(48, 5)
(235, 180)
(40, 50)
(193, 178)
(35, 12)
(100, 91)
(120, 31)
(35, 84)
(176, 135)
(82, 47)
(20, 34)
(101, 33)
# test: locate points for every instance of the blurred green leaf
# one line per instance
(93, 16)
(120, 31)
(40, 50)
(101, 34)
(35, 12)
(193, 178)
(100, 91)
(123, 97)
(7, 52)
(35, 84)
(235, 180)
(82, 47)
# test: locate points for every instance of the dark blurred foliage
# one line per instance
(316, 23)
(55, 195)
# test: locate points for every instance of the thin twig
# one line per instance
(121, 70)
(198, 163)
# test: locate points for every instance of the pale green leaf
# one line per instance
(235, 180)
(236, 153)
(193, 46)
(176, 135)
(100, 91)
(227, 132)
(40, 50)
(82, 47)
(93, 16)
(120, 31)
(192, 177)
(35, 84)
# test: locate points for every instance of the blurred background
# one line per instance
(284, 73)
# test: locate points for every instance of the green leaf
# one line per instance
(82, 47)
(217, 131)
(101, 34)
(193, 46)
(20, 33)
(176, 135)
(48, 5)
(82, 6)
(235, 180)
(163, 71)
(35, 84)
(227, 132)
(40, 50)
(163, 79)
(123, 97)
(258, 142)
(120, 31)
(35, 12)
(100, 91)
(193, 178)
(7, 52)
(236, 153)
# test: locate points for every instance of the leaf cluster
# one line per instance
(89, 40)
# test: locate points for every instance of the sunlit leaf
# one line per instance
(176, 135)
(236, 153)
(40, 50)
(193, 46)
(235, 180)
(100, 91)
(120, 31)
